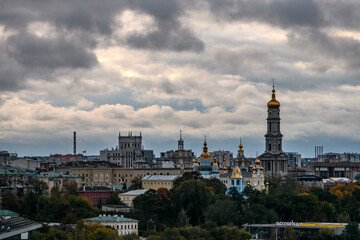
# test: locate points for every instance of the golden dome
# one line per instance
(205, 154)
(261, 168)
(236, 173)
(215, 164)
(273, 103)
(196, 164)
(224, 164)
(254, 168)
(267, 183)
(257, 161)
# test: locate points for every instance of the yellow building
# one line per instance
(113, 176)
(155, 182)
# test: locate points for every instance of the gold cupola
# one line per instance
(205, 154)
(224, 164)
(196, 164)
(215, 164)
(237, 171)
(273, 103)
(257, 161)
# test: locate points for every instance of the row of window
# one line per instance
(156, 183)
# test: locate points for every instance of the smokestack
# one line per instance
(74, 143)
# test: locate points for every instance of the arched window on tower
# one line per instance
(269, 146)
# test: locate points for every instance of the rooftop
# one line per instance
(17, 225)
(109, 218)
(134, 192)
(8, 213)
(160, 178)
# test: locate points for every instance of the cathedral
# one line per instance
(239, 177)
(271, 163)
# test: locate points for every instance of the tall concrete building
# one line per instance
(273, 159)
(128, 153)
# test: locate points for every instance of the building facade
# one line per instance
(129, 196)
(128, 153)
(123, 226)
(157, 181)
(273, 160)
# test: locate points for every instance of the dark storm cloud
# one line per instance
(279, 12)
(99, 17)
(10, 73)
(80, 26)
(341, 50)
(32, 51)
(169, 34)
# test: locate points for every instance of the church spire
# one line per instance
(273, 103)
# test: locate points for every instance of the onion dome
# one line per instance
(240, 146)
(205, 154)
(224, 164)
(257, 161)
(261, 168)
(254, 168)
(196, 164)
(267, 183)
(273, 103)
(215, 164)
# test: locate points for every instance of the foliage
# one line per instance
(194, 197)
(81, 232)
(113, 199)
(194, 233)
(135, 184)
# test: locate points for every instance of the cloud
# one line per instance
(32, 51)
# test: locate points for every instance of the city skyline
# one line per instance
(205, 67)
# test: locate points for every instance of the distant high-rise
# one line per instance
(273, 159)
(319, 150)
(128, 153)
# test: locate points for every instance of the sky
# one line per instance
(202, 66)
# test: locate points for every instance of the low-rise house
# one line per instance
(158, 181)
(129, 196)
(124, 226)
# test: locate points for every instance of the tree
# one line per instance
(216, 185)
(135, 183)
(187, 176)
(71, 188)
(113, 199)
(194, 197)
(145, 207)
(222, 212)
(182, 220)
(10, 201)
(351, 231)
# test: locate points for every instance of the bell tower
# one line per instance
(273, 160)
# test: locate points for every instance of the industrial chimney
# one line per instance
(74, 144)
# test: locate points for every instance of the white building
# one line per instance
(123, 226)
(128, 197)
